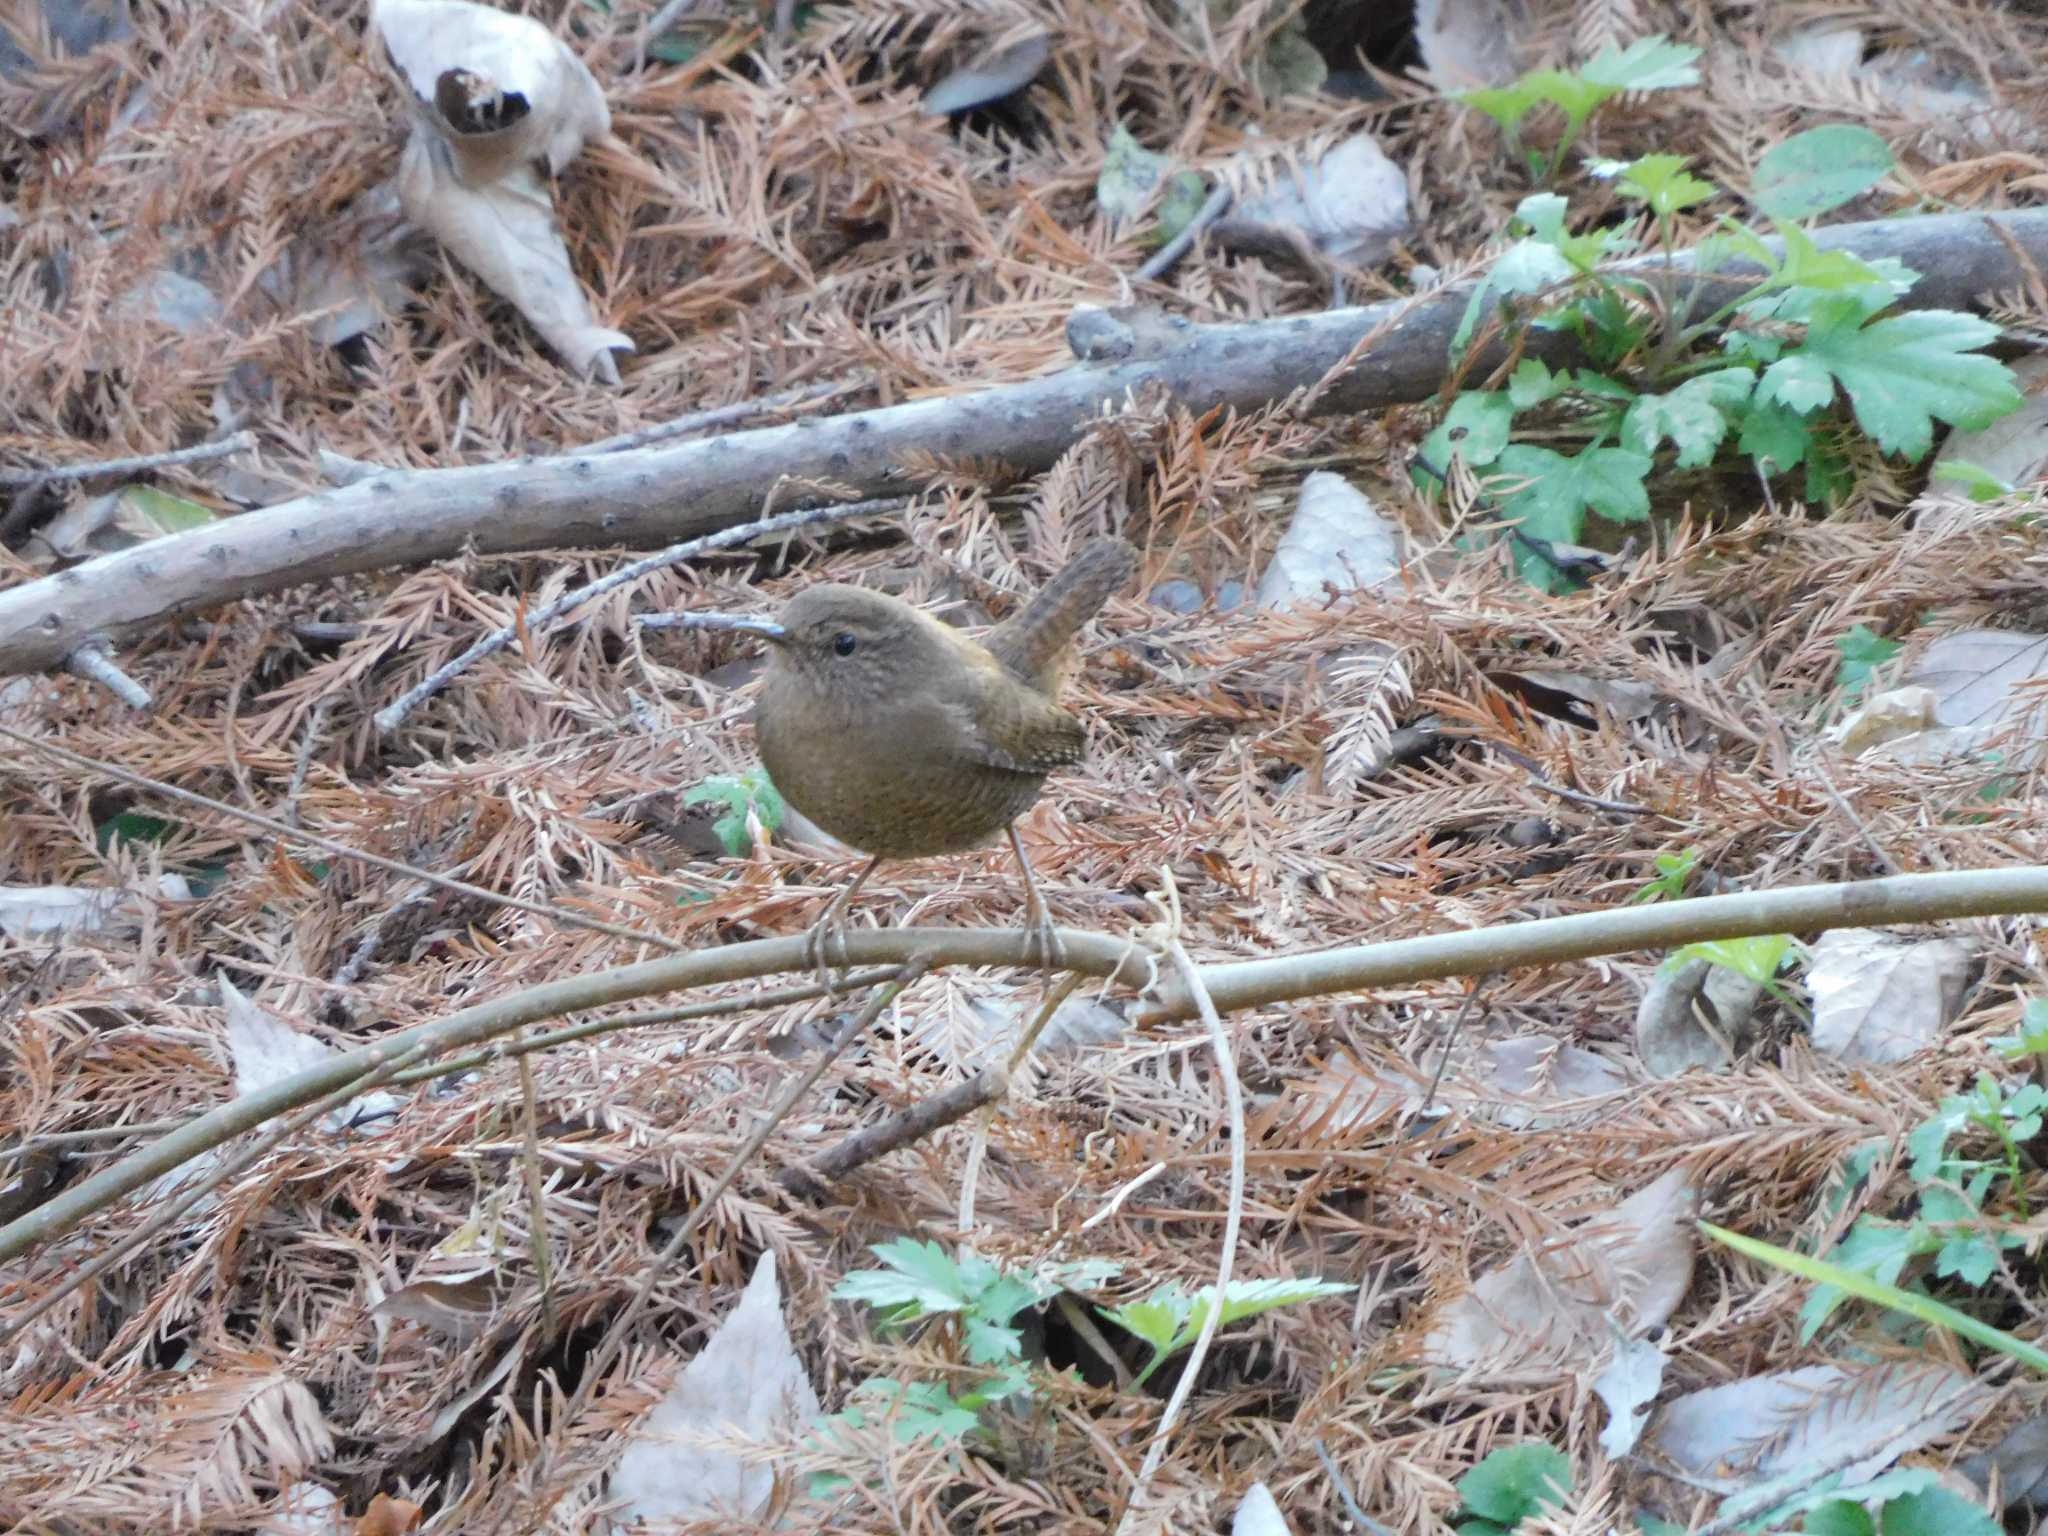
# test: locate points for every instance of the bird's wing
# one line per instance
(1020, 729)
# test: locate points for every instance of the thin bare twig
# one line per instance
(658, 24)
(722, 415)
(393, 715)
(91, 662)
(810, 1179)
(537, 1210)
(1161, 261)
(193, 455)
(1243, 984)
(1233, 1215)
(773, 997)
(316, 725)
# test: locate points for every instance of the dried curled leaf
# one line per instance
(497, 101)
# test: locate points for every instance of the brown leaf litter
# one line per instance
(826, 228)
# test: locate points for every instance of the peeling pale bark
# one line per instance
(659, 495)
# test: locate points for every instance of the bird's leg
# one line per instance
(1042, 945)
(832, 926)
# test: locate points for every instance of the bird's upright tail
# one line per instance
(1030, 642)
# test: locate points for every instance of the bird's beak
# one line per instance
(744, 623)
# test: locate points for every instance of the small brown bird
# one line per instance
(902, 737)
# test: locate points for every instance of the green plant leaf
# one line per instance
(1651, 63)
(1774, 435)
(1505, 104)
(919, 1275)
(1757, 957)
(1170, 1319)
(1936, 1512)
(1185, 193)
(1863, 650)
(1923, 1309)
(1799, 382)
(1819, 169)
(1516, 1482)
(1673, 870)
(1903, 373)
(1978, 483)
(1695, 416)
(1838, 1517)
(2032, 1040)
(1475, 429)
(1663, 183)
(1156, 1320)
(1553, 502)
(167, 513)
(1532, 384)
(1807, 265)
(131, 827)
(1874, 1247)
(750, 791)
(1130, 174)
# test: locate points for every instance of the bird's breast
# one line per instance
(894, 776)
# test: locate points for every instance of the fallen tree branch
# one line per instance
(809, 1180)
(1243, 984)
(655, 496)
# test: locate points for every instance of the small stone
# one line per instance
(1229, 595)
(1177, 596)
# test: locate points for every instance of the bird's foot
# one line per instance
(826, 934)
(829, 931)
(1042, 947)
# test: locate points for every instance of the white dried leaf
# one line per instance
(2021, 1461)
(496, 100)
(354, 273)
(1818, 1420)
(1466, 44)
(1694, 1014)
(306, 1508)
(1886, 717)
(505, 233)
(172, 299)
(38, 911)
(1877, 999)
(1259, 1515)
(1977, 675)
(1522, 1082)
(1351, 206)
(746, 1383)
(1130, 175)
(459, 1307)
(118, 520)
(1563, 1306)
(517, 93)
(267, 1050)
(1628, 1385)
(1338, 540)
(977, 1026)
(1623, 698)
(1828, 48)
(2014, 447)
(992, 77)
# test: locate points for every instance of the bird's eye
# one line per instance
(843, 643)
